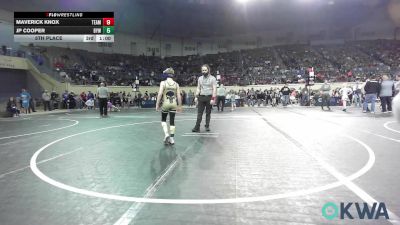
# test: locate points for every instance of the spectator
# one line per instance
(386, 93)
(71, 102)
(190, 98)
(65, 99)
(32, 105)
(4, 50)
(325, 91)
(90, 95)
(304, 96)
(53, 99)
(397, 85)
(112, 107)
(83, 98)
(396, 107)
(12, 107)
(357, 94)
(25, 100)
(221, 97)
(46, 100)
(90, 103)
(372, 89)
(285, 95)
(232, 97)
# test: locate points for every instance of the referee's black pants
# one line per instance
(103, 106)
(203, 103)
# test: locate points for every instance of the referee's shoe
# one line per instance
(207, 128)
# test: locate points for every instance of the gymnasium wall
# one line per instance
(11, 82)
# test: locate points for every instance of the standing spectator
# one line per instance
(32, 104)
(4, 50)
(71, 102)
(221, 97)
(46, 100)
(397, 85)
(139, 100)
(386, 93)
(269, 97)
(261, 97)
(129, 98)
(242, 96)
(396, 107)
(325, 91)
(25, 99)
(53, 99)
(102, 95)
(90, 95)
(251, 97)
(285, 95)
(65, 99)
(233, 100)
(396, 99)
(190, 98)
(357, 95)
(277, 97)
(304, 96)
(372, 89)
(124, 100)
(184, 95)
(293, 97)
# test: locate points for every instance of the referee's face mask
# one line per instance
(204, 70)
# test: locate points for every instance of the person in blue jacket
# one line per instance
(25, 99)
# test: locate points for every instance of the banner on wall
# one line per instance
(13, 63)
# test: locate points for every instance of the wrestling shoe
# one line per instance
(171, 140)
(166, 140)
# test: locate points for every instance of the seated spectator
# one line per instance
(90, 103)
(12, 107)
(278, 64)
(112, 107)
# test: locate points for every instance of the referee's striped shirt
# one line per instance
(206, 84)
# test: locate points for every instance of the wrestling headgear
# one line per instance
(169, 72)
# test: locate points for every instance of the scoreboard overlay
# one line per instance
(64, 26)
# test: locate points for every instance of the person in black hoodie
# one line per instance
(285, 95)
(372, 88)
(71, 101)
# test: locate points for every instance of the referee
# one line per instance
(205, 96)
(102, 95)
